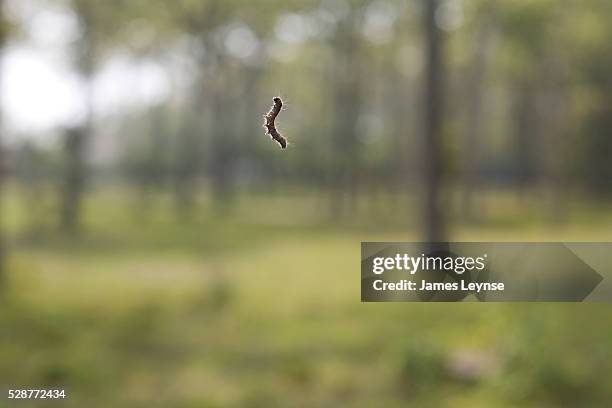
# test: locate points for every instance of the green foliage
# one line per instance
(254, 310)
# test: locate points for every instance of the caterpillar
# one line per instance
(269, 122)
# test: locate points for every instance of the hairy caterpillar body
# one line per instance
(269, 123)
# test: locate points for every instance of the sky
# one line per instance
(40, 89)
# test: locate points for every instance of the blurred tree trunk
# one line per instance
(401, 171)
(212, 102)
(248, 119)
(433, 101)
(77, 139)
(555, 114)
(223, 129)
(346, 97)
(475, 121)
(155, 161)
(187, 158)
(216, 91)
(74, 177)
(186, 165)
(525, 134)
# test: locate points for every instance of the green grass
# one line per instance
(252, 309)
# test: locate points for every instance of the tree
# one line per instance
(77, 139)
(475, 120)
(433, 101)
(102, 25)
(346, 95)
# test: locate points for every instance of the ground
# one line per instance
(252, 309)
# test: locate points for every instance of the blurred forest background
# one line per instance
(158, 249)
